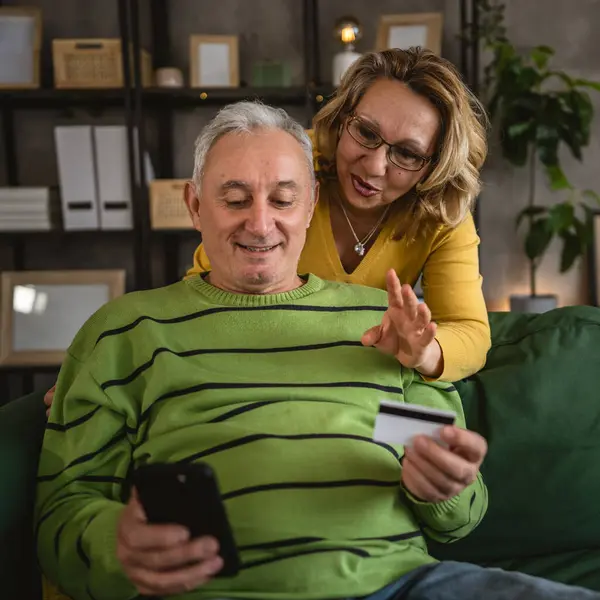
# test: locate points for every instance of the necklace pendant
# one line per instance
(359, 249)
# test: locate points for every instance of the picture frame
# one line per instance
(411, 29)
(214, 61)
(594, 262)
(168, 209)
(42, 311)
(20, 47)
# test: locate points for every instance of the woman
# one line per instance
(398, 154)
(399, 149)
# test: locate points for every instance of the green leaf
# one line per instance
(592, 195)
(538, 239)
(561, 217)
(595, 85)
(568, 81)
(541, 55)
(570, 251)
(547, 139)
(515, 150)
(583, 109)
(530, 211)
(558, 180)
(518, 129)
(584, 232)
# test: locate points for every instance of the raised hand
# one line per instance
(406, 330)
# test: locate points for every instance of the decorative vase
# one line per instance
(341, 62)
(533, 304)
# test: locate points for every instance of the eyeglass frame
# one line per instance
(354, 117)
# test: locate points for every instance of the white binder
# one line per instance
(112, 169)
(77, 177)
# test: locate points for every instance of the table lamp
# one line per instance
(348, 31)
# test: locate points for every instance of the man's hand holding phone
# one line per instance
(163, 559)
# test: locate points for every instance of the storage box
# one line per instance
(93, 63)
(167, 205)
(20, 44)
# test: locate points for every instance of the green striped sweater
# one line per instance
(278, 395)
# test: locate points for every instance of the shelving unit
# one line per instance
(159, 105)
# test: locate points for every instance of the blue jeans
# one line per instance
(462, 581)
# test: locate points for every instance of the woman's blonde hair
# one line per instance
(449, 191)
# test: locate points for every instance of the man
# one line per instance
(261, 373)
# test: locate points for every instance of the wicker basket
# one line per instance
(93, 63)
(167, 205)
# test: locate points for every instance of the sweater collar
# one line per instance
(221, 297)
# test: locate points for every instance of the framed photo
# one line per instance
(214, 61)
(167, 205)
(595, 262)
(20, 44)
(416, 29)
(41, 311)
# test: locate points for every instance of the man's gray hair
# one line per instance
(245, 117)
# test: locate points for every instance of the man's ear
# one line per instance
(313, 205)
(193, 204)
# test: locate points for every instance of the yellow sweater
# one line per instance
(449, 263)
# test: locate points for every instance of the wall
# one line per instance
(571, 29)
(270, 29)
(274, 29)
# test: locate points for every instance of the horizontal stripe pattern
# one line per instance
(212, 351)
(279, 400)
(276, 544)
(210, 386)
(237, 309)
(257, 437)
(300, 553)
(71, 424)
(307, 485)
(84, 457)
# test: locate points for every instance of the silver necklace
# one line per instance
(359, 247)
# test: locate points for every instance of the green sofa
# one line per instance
(537, 402)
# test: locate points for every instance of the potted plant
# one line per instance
(537, 110)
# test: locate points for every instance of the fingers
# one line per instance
(440, 486)
(428, 335)
(137, 535)
(140, 537)
(423, 315)
(450, 465)
(469, 445)
(178, 556)
(49, 396)
(417, 483)
(394, 289)
(410, 301)
(371, 336)
(163, 583)
(161, 559)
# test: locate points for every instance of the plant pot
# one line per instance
(533, 304)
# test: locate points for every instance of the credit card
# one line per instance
(399, 423)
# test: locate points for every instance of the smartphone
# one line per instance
(188, 495)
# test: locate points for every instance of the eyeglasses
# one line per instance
(367, 137)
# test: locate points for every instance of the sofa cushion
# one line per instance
(22, 424)
(537, 402)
